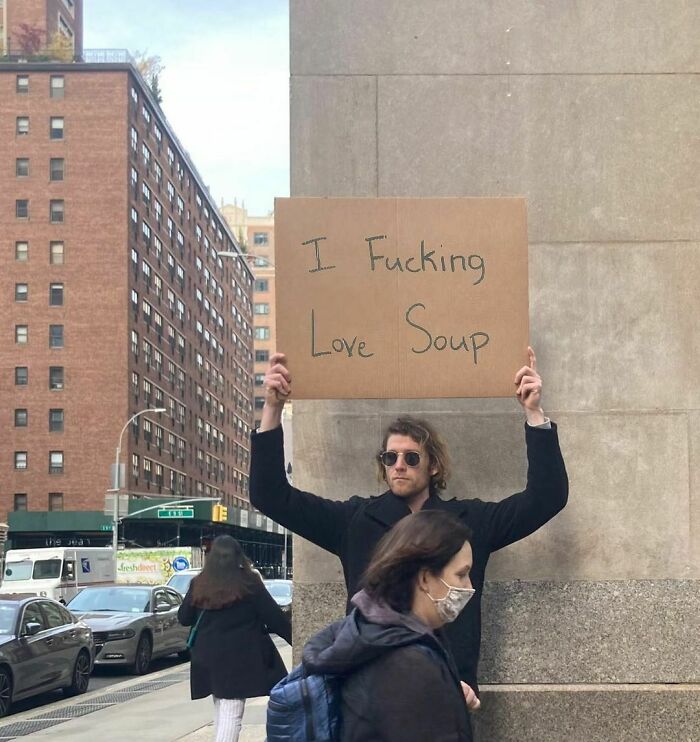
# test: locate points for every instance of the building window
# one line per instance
(21, 375)
(21, 418)
(20, 502)
(261, 284)
(55, 462)
(56, 169)
(57, 86)
(261, 308)
(22, 208)
(259, 403)
(20, 460)
(134, 139)
(56, 208)
(260, 238)
(55, 336)
(56, 501)
(56, 295)
(262, 333)
(22, 85)
(55, 421)
(259, 379)
(21, 292)
(56, 127)
(55, 377)
(56, 253)
(21, 334)
(261, 262)
(22, 251)
(262, 356)
(22, 167)
(22, 125)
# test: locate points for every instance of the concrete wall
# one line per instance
(590, 110)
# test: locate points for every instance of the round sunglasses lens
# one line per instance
(412, 458)
(389, 458)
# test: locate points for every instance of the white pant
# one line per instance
(228, 714)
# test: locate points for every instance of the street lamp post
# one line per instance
(242, 255)
(117, 481)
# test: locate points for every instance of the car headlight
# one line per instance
(113, 636)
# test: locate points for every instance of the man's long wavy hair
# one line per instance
(226, 578)
(424, 433)
(428, 539)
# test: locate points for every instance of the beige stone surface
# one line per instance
(599, 158)
(507, 36)
(694, 471)
(617, 324)
(627, 515)
(333, 130)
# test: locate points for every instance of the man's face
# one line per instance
(403, 480)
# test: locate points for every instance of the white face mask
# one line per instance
(449, 607)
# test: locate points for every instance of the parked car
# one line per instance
(180, 581)
(42, 647)
(281, 591)
(132, 624)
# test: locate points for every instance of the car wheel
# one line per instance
(143, 655)
(81, 676)
(5, 692)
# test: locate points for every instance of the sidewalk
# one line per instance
(124, 712)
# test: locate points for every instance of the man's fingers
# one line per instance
(278, 358)
(279, 370)
(526, 371)
(532, 360)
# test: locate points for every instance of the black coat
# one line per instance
(233, 655)
(399, 682)
(351, 528)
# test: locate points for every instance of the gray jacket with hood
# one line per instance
(401, 684)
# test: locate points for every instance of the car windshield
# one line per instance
(180, 582)
(123, 599)
(8, 614)
(41, 569)
(18, 571)
(279, 589)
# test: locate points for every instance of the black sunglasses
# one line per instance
(389, 458)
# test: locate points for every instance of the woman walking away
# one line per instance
(400, 683)
(233, 656)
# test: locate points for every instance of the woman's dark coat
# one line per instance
(400, 684)
(233, 655)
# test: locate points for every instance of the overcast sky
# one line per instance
(225, 84)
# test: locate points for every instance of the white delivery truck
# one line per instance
(57, 573)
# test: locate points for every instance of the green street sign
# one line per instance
(186, 512)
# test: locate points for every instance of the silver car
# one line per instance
(132, 624)
(180, 581)
(42, 647)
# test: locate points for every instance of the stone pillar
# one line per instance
(590, 110)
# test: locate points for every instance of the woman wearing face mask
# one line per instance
(399, 681)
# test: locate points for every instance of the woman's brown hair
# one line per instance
(227, 576)
(424, 540)
(425, 435)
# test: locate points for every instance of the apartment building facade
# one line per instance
(116, 300)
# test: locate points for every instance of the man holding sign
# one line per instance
(413, 461)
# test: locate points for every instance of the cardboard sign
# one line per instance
(392, 298)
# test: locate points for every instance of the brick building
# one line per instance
(257, 234)
(115, 300)
(46, 18)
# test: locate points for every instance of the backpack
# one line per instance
(304, 708)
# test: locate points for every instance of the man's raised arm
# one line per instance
(321, 521)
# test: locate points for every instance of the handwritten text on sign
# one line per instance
(394, 298)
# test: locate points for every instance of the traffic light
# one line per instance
(219, 513)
